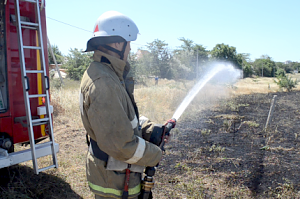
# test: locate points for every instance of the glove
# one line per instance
(170, 124)
(156, 135)
(158, 130)
(171, 121)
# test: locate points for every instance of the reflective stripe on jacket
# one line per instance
(109, 117)
(114, 192)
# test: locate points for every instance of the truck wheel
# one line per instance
(6, 142)
(4, 172)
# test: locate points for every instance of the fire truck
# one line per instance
(25, 110)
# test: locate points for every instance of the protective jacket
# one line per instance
(110, 117)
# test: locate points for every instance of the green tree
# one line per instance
(188, 45)
(280, 65)
(139, 66)
(222, 52)
(132, 59)
(77, 63)
(182, 65)
(246, 64)
(247, 70)
(186, 57)
(58, 55)
(295, 66)
(264, 66)
(160, 59)
(288, 67)
(202, 54)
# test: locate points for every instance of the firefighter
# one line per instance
(118, 139)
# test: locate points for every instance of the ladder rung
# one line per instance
(40, 120)
(29, 27)
(49, 167)
(39, 123)
(29, 23)
(32, 47)
(34, 71)
(37, 95)
(31, 1)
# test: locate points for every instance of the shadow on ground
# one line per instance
(21, 182)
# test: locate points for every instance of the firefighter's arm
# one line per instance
(146, 127)
(114, 130)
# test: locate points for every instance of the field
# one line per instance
(219, 148)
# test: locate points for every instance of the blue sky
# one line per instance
(258, 27)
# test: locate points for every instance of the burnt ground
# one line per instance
(224, 152)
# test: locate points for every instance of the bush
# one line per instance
(56, 83)
(76, 73)
(247, 70)
(284, 81)
(77, 63)
(280, 72)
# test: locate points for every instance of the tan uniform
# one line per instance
(110, 119)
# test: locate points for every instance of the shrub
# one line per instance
(284, 81)
(280, 72)
(77, 63)
(248, 72)
(56, 83)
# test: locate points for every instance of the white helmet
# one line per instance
(112, 27)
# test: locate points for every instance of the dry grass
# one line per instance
(259, 85)
(66, 103)
(159, 102)
(155, 102)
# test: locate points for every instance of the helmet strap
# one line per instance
(123, 50)
(120, 53)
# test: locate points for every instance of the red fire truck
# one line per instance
(25, 110)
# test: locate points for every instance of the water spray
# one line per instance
(235, 74)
